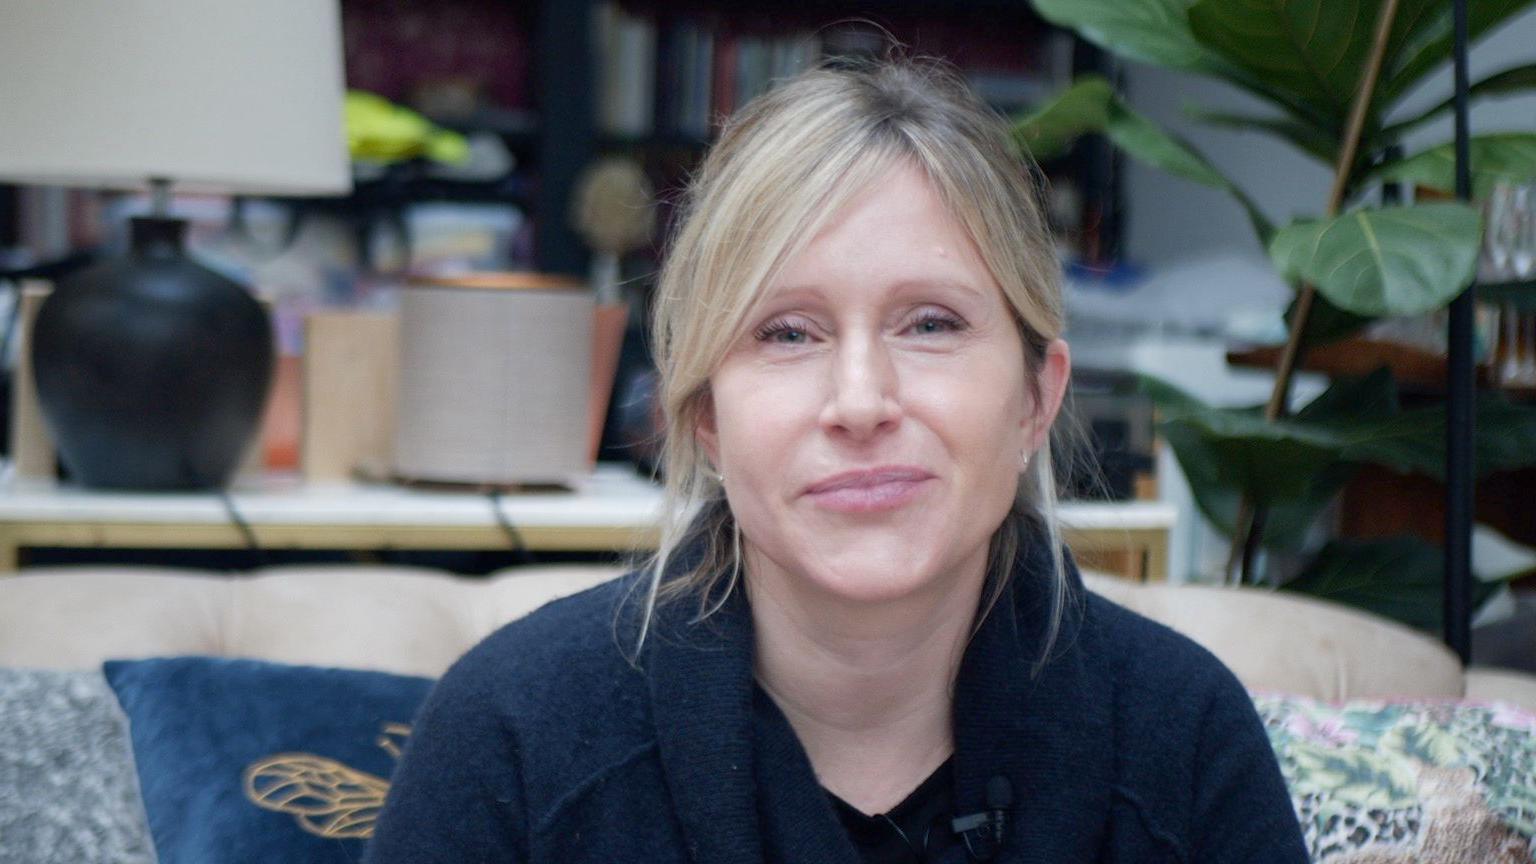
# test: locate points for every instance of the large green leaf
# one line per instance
(1272, 462)
(1510, 81)
(1216, 467)
(1399, 577)
(1505, 157)
(1423, 38)
(1373, 395)
(1311, 51)
(1391, 261)
(1237, 449)
(1506, 434)
(1326, 322)
(1296, 465)
(1081, 109)
(1414, 441)
(1314, 141)
(1091, 105)
(1288, 519)
(1150, 31)
(1158, 32)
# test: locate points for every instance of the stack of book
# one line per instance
(681, 78)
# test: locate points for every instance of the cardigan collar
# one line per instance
(744, 789)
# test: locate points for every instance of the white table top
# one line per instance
(613, 496)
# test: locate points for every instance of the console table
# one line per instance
(613, 510)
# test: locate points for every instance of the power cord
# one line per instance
(243, 527)
(514, 537)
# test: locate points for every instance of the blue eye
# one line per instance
(934, 323)
(782, 332)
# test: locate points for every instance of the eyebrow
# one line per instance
(898, 285)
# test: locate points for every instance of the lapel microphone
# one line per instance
(983, 832)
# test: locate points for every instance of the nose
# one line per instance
(863, 398)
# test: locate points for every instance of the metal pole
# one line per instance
(1461, 383)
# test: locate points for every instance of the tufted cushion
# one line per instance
(416, 622)
(1291, 644)
(1492, 685)
(394, 619)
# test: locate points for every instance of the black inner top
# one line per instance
(912, 832)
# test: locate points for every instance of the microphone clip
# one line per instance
(982, 833)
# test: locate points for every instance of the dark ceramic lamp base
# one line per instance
(152, 370)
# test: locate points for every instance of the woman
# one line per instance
(861, 639)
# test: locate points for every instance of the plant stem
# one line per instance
(1250, 517)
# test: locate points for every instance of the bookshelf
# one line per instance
(576, 79)
(561, 82)
(667, 71)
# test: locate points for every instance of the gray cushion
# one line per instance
(68, 789)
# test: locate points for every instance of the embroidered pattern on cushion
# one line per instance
(326, 797)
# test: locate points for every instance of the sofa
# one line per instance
(202, 664)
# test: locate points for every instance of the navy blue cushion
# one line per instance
(247, 761)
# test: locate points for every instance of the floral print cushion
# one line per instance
(1425, 782)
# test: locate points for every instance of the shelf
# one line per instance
(1412, 369)
(1521, 295)
(612, 510)
(514, 190)
(517, 126)
(411, 186)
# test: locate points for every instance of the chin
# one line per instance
(882, 575)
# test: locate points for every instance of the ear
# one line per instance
(1052, 378)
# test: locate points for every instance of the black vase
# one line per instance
(152, 370)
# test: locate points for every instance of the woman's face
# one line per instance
(872, 418)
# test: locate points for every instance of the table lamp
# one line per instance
(152, 371)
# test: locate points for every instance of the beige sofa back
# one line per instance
(394, 619)
(417, 621)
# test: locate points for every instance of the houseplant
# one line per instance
(1333, 76)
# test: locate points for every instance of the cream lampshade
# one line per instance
(152, 371)
(214, 95)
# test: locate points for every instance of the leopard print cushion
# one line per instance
(1425, 782)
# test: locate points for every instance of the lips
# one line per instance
(868, 478)
(869, 490)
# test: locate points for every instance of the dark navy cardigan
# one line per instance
(544, 744)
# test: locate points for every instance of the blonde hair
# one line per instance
(784, 164)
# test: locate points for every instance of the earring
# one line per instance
(1023, 459)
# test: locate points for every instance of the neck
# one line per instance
(867, 687)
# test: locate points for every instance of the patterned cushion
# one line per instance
(1438, 782)
(68, 794)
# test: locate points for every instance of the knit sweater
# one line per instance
(545, 743)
